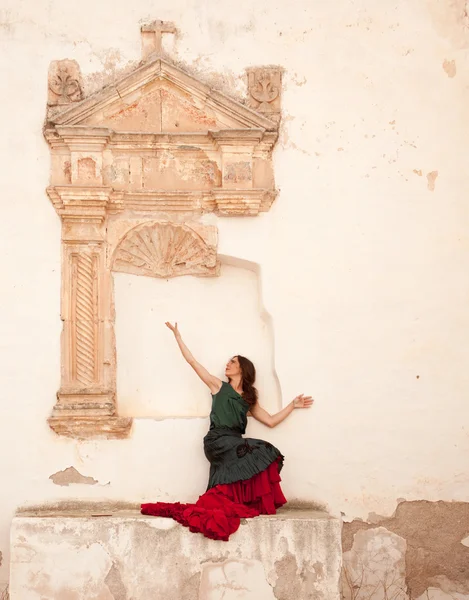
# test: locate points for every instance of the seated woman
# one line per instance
(244, 476)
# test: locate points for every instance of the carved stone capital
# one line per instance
(242, 203)
(79, 203)
(87, 403)
(80, 139)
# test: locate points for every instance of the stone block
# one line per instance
(294, 555)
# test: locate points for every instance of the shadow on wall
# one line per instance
(218, 318)
(275, 402)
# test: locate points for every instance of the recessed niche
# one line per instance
(218, 318)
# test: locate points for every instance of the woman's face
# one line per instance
(232, 367)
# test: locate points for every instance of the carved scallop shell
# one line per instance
(165, 250)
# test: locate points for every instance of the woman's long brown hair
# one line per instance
(248, 372)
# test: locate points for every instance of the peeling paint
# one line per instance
(433, 593)
(246, 578)
(297, 581)
(294, 78)
(431, 178)
(449, 66)
(7, 21)
(375, 566)
(115, 584)
(290, 556)
(71, 475)
(375, 518)
(433, 531)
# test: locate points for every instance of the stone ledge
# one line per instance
(93, 427)
(122, 554)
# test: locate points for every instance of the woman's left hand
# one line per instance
(303, 401)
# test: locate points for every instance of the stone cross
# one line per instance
(152, 36)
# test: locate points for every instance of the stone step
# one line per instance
(294, 555)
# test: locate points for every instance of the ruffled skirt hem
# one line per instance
(218, 513)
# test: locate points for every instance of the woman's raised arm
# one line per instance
(212, 382)
(264, 417)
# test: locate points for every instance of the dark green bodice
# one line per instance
(232, 457)
(229, 410)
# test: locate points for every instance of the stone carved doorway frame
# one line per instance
(133, 169)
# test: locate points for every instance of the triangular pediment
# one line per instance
(160, 97)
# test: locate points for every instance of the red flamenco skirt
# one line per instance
(218, 513)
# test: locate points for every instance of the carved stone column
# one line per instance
(86, 399)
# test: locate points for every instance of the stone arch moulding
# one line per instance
(133, 169)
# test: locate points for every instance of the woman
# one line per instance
(244, 473)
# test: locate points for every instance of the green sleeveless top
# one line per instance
(229, 410)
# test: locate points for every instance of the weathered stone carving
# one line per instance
(134, 167)
(87, 170)
(166, 250)
(65, 83)
(264, 85)
(152, 34)
(238, 172)
(85, 318)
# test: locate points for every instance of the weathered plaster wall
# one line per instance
(419, 552)
(128, 556)
(363, 258)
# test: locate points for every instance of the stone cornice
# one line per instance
(90, 138)
(220, 201)
(80, 202)
(82, 139)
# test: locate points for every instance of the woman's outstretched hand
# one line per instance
(174, 328)
(303, 401)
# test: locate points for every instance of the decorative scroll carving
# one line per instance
(84, 319)
(65, 83)
(264, 85)
(165, 250)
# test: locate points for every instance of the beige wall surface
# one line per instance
(358, 273)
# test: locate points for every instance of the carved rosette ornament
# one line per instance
(133, 169)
